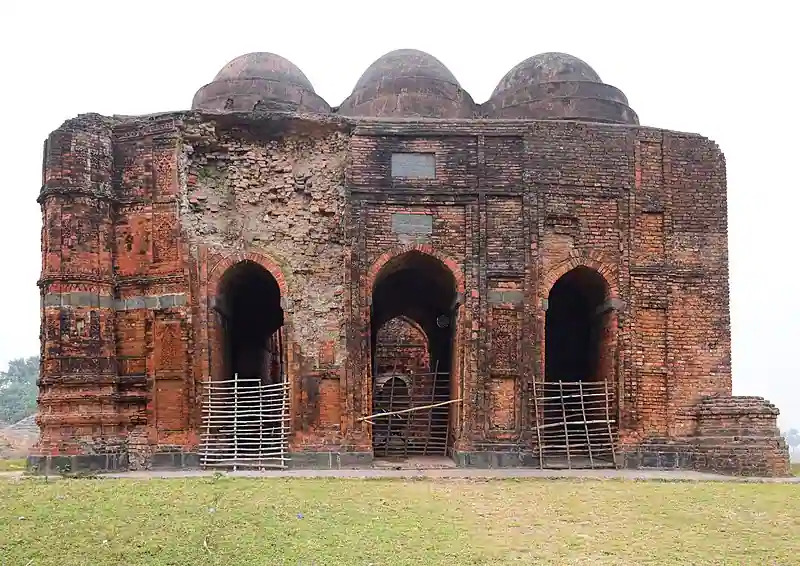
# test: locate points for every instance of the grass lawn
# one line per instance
(240, 521)
(12, 465)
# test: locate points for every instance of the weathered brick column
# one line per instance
(731, 435)
(740, 435)
(78, 415)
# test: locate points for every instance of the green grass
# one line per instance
(242, 521)
(16, 465)
(796, 469)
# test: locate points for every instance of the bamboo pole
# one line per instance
(586, 426)
(411, 410)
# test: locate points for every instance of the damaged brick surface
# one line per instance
(285, 199)
(144, 216)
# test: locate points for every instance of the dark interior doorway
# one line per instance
(413, 309)
(577, 394)
(571, 331)
(249, 305)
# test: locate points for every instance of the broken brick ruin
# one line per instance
(533, 281)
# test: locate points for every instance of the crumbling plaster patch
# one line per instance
(282, 197)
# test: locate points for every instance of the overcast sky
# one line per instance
(718, 68)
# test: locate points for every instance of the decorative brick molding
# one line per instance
(217, 271)
(77, 299)
(593, 261)
(375, 269)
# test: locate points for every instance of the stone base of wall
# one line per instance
(329, 460)
(656, 456)
(504, 458)
(733, 435)
(741, 457)
(77, 464)
(119, 462)
(737, 456)
(175, 461)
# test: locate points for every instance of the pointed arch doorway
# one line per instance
(245, 406)
(576, 400)
(413, 307)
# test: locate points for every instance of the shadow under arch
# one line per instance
(572, 345)
(250, 316)
(420, 291)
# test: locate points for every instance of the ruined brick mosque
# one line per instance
(266, 281)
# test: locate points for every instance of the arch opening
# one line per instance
(245, 409)
(413, 306)
(249, 308)
(578, 400)
(574, 310)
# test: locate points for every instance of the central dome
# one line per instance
(259, 81)
(406, 63)
(408, 83)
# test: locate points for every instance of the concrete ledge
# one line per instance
(450, 474)
(329, 460)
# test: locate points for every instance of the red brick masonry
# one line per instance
(142, 218)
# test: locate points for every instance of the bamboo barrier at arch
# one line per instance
(245, 424)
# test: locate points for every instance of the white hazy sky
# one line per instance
(723, 69)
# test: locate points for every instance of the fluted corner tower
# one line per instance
(78, 371)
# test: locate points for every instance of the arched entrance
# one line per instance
(249, 309)
(245, 412)
(412, 313)
(578, 428)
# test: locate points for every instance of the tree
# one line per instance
(18, 389)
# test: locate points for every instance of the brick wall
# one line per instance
(277, 201)
(143, 217)
(401, 347)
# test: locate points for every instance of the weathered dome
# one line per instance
(558, 86)
(264, 66)
(546, 68)
(408, 83)
(259, 81)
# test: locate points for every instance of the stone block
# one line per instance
(166, 461)
(191, 460)
(354, 459)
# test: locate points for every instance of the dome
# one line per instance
(558, 86)
(408, 83)
(406, 63)
(264, 66)
(259, 81)
(547, 68)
